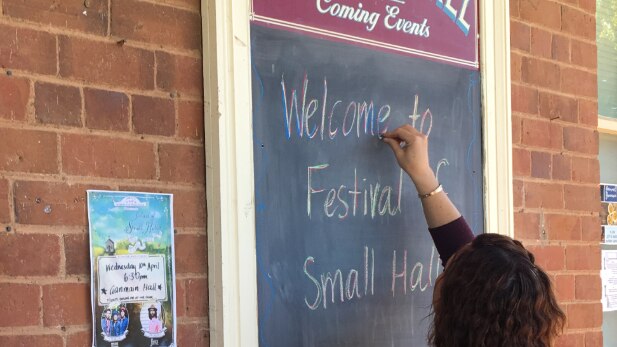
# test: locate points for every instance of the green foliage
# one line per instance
(606, 21)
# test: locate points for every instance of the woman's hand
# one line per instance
(411, 150)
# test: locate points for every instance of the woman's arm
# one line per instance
(448, 229)
(411, 150)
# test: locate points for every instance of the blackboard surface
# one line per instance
(343, 253)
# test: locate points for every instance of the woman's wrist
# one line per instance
(424, 180)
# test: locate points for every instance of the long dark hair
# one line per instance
(492, 294)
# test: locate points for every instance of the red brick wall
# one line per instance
(555, 140)
(94, 94)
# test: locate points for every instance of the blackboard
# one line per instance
(313, 164)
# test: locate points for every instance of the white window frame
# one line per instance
(232, 270)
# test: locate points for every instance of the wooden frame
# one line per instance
(607, 125)
(497, 125)
(229, 157)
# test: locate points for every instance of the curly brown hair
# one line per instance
(492, 294)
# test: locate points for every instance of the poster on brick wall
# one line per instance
(132, 269)
(609, 280)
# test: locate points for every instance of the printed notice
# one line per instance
(609, 234)
(133, 276)
(609, 280)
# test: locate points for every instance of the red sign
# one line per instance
(442, 30)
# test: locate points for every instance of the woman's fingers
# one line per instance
(405, 133)
(395, 145)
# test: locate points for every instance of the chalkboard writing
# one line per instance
(343, 253)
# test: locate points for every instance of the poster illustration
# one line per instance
(132, 263)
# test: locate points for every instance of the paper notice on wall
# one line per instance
(132, 264)
(609, 280)
(131, 278)
(609, 234)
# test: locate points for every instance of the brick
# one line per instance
(25, 49)
(28, 151)
(541, 43)
(31, 340)
(14, 94)
(181, 163)
(155, 24)
(51, 203)
(588, 287)
(22, 298)
(534, 133)
(515, 67)
(543, 195)
(56, 104)
(588, 112)
(518, 193)
(562, 167)
(521, 162)
(588, 5)
(179, 73)
(29, 255)
(66, 304)
(563, 227)
(106, 110)
(581, 198)
(580, 140)
(541, 164)
(555, 131)
(197, 297)
(527, 225)
(514, 12)
(584, 316)
(193, 335)
(584, 54)
(77, 254)
(565, 287)
(191, 120)
(570, 340)
(593, 338)
(188, 4)
(5, 213)
(524, 99)
(560, 48)
(517, 125)
(520, 36)
(585, 170)
(578, 23)
(191, 254)
(591, 228)
(549, 258)
(107, 157)
(153, 116)
(579, 82)
(554, 106)
(63, 14)
(181, 307)
(541, 73)
(79, 339)
(583, 257)
(545, 13)
(123, 66)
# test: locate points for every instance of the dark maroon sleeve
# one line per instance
(450, 237)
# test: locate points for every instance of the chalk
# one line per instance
(381, 136)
